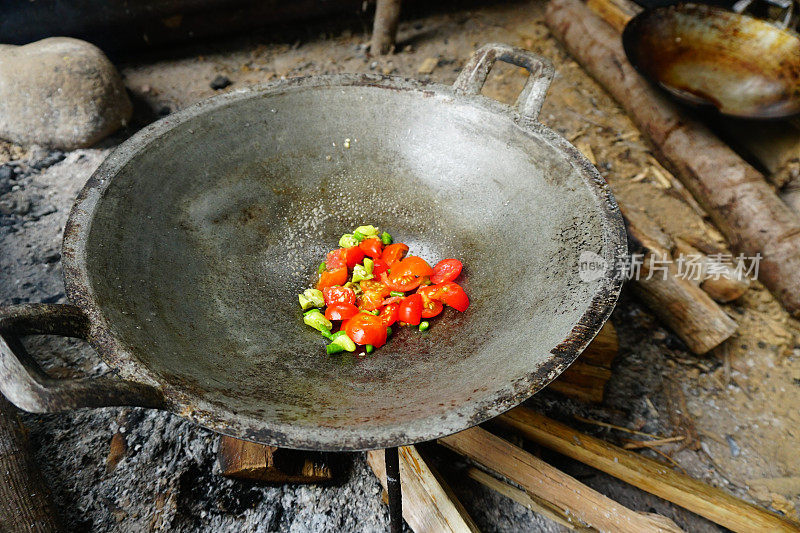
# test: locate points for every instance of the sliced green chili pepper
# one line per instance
(369, 348)
(315, 297)
(321, 268)
(348, 240)
(317, 320)
(388, 331)
(333, 348)
(357, 235)
(360, 273)
(366, 231)
(424, 325)
(386, 238)
(397, 293)
(341, 339)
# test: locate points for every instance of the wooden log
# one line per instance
(646, 474)
(550, 484)
(384, 30)
(679, 303)
(718, 279)
(586, 378)
(429, 504)
(241, 459)
(736, 196)
(25, 503)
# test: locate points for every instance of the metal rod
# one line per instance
(393, 490)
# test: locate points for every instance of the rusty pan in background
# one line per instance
(742, 66)
(184, 254)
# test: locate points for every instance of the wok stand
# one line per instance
(393, 490)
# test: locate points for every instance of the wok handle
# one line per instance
(27, 386)
(530, 100)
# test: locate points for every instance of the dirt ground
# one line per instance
(740, 401)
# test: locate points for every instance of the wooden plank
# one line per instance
(552, 485)
(429, 504)
(646, 474)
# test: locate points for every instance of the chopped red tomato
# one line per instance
(353, 256)
(370, 301)
(453, 295)
(329, 278)
(394, 253)
(430, 307)
(389, 314)
(365, 328)
(379, 267)
(340, 311)
(402, 284)
(338, 294)
(412, 266)
(335, 259)
(371, 285)
(446, 270)
(410, 310)
(371, 247)
(393, 300)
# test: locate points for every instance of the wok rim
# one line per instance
(216, 417)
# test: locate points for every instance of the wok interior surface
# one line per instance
(202, 241)
(741, 65)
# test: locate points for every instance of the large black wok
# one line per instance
(185, 251)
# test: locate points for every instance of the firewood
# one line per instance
(718, 279)
(586, 378)
(736, 196)
(25, 502)
(550, 484)
(241, 459)
(525, 499)
(428, 502)
(646, 474)
(680, 304)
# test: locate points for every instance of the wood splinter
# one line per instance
(241, 459)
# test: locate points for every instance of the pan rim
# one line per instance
(220, 419)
